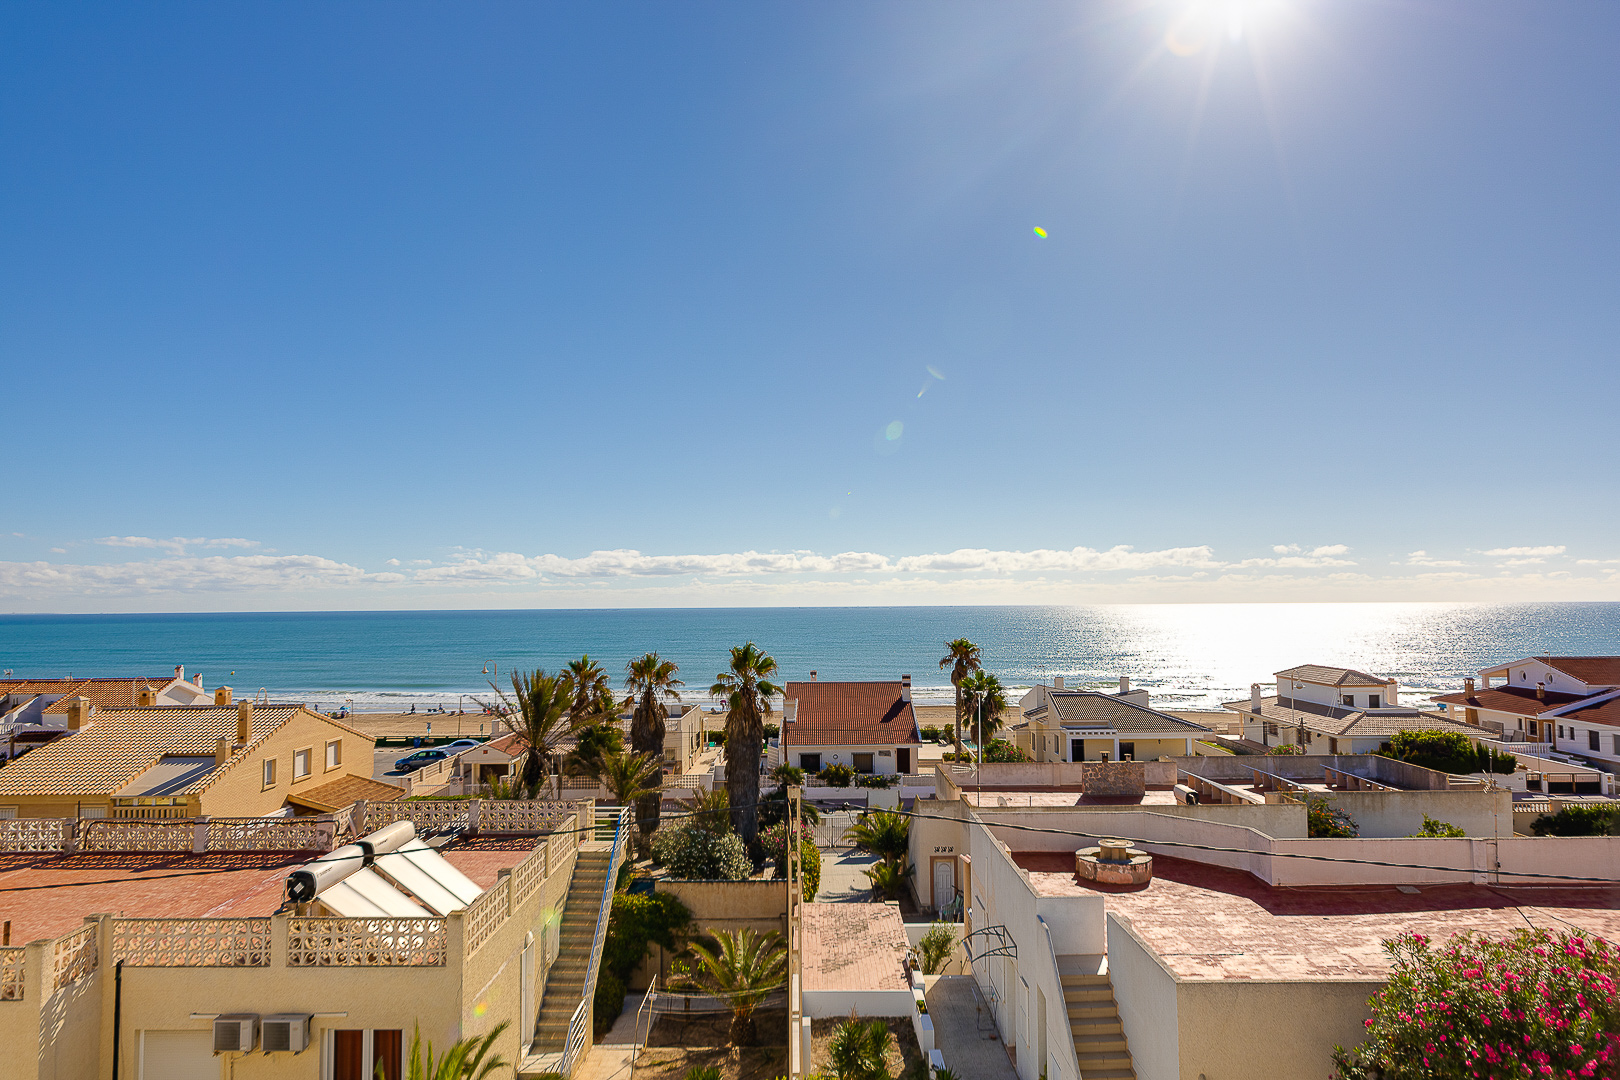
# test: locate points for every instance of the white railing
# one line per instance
(167, 835)
(191, 942)
(110, 834)
(313, 942)
(487, 913)
(579, 1025)
(35, 834)
(13, 966)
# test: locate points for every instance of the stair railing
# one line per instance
(579, 1025)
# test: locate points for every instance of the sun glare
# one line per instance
(1206, 23)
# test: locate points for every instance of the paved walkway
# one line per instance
(610, 1058)
(843, 878)
(962, 1032)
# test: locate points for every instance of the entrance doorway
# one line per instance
(902, 760)
(1077, 749)
(944, 882)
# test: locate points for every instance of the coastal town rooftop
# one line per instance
(1213, 923)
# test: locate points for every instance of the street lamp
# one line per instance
(492, 668)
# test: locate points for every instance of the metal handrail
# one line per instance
(579, 1023)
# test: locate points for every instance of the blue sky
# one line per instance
(412, 305)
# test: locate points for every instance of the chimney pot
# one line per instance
(196, 680)
(905, 688)
(144, 698)
(222, 695)
(1541, 691)
(1254, 697)
(1468, 685)
(1057, 682)
(78, 713)
(812, 676)
(222, 751)
(1124, 684)
(180, 672)
(244, 722)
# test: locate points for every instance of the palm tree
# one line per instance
(650, 683)
(592, 699)
(538, 711)
(597, 742)
(745, 969)
(466, 1059)
(962, 657)
(859, 1049)
(709, 810)
(629, 776)
(884, 833)
(889, 877)
(748, 691)
(985, 699)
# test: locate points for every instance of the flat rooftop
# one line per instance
(854, 947)
(46, 895)
(1208, 922)
(996, 798)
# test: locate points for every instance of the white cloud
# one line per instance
(194, 574)
(393, 562)
(1294, 557)
(1421, 558)
(176, 544)
(1549, 549)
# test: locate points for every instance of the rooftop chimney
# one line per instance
(144, 698)
(180, 672)
(905, 688)
(196, 680)
(1124, 684)
(78, 713)
(244, 722)
(812, 676)
(1468, 685)
(222, 751)
(1541, 691)
(1057, 682)
(1254, 697)
(222, 695)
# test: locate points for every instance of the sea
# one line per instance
(1192, 656)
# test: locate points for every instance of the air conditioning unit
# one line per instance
(286, 1032)
(236, 1033)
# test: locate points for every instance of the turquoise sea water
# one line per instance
(1188, 656)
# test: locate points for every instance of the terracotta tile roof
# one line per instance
(1109, 710)
(1517, 700)
(849, 714)
(108, 693)
(120, 744)
(1604, 712)
(1338, 721)
(1331, 676)
(1591, 670)
(854, 947)
(345, 792)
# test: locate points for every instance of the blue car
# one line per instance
(418, 760)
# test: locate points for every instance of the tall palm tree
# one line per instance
(962, 657)
(748, 691)
(985, 700)
(538, 711)
(745, 970)
(592, 698)
(650, 683)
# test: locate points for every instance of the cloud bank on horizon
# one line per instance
(178, 580)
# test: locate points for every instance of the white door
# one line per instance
(526, 1009)
(944, 882)
(178, 1055)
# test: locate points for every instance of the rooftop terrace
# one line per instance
(1208, 922)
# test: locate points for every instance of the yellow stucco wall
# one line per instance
(240, 791)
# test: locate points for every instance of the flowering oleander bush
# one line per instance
(1539, 1004)
(691, 852)
(1323, 820)
(775, 840)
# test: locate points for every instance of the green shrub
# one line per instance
(692, 853)
(876, 780)
(774, 841)
(929, 733)
(772, 731)
(1432, 827)
(788, 775)
(1541, 1003)
(639, 921)
(1000, 751)
(859, 1050)
(703, 1072)
(1580, 819)
(837, 775)
(1326, 821)
(1286, 749)
(1447, 751)
(608, 1003)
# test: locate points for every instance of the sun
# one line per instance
(1204, 23)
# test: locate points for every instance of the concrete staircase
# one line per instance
(1099, 1037)
(565, 983)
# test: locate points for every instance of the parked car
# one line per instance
(459, 745)
(418, 760)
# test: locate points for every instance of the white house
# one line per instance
(35, 711)
(869, 726)
(1566, 703)
(1089, 725)
(1333, 710)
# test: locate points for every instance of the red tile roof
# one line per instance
(849, 714)
(1591, 670)
(1517, 700)
(1323, 675)
(1604, 712)
(854, 947)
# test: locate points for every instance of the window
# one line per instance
(1350, 700)
(92, 811)
(300, 763)
(334, 753)
(1615, 748)
(863, 762)
(810, 762)
(1333, 746)
(11, 811)
(1127, 751)
(363, 1055)
(270, 772)
(1560, 731)
(1592, 742)
(1372, 701)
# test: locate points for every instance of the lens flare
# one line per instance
(894, 430)
(934, 371)
(481, 1008)
(1040, 232)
